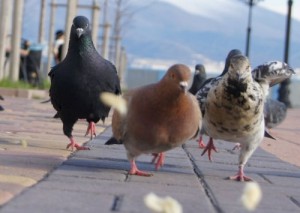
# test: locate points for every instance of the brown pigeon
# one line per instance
(158, 117)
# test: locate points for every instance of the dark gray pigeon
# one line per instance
(199, 79)
(274, 112)
(78, 80)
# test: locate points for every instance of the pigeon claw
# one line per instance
(240, 175)
(91, 130)
(159, 158)
(140, 173)
(135, 171)
(210, 146)
(73, 145)
(201, 143)
(241, 178)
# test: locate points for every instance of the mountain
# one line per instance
(164, 31)
(161, 31)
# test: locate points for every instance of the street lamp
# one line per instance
(284, 90)
(251, 3)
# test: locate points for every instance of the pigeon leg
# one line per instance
(91, 129)
(135, 171)
(240, 175)
(160, 157)
(200, 142)
(73, 144)
(210, 146)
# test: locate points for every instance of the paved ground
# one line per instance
(37, 174)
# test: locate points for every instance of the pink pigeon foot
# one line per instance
(159, 158)
(209, 147)
(135, 171)
(240, 175)
(91, 129)
(73, 144)
(201, 143)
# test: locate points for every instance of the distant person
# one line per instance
(58, 46)
(24, 52)
(24, 48)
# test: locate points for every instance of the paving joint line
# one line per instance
(265, 178)
(207, 189)
(296, 202)
(117, 202)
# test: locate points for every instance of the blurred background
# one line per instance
(144, 37)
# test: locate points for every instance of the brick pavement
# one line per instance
(97, 180)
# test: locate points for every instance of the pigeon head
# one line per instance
(178, 76)
(239, 68)
(80, 26)
(199, 68)
(231, 54)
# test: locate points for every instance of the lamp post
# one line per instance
(284, 90)
(251, 3)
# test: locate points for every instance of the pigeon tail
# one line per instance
(112, 141)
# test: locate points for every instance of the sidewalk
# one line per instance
(97, 180)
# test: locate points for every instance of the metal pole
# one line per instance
(95, 22)
(16, 40)
(71, 13)
(51, 35)
(42, 21)
(123, 66)
(249, 28)
(4, 16)
(288, 30)
(117, 52)
(105, 7)
(284, 90)
(105, 41)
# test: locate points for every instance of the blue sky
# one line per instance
(279, 6)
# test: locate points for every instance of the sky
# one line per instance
(279, 6)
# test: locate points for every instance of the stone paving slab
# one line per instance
(31, 144)
(97, 180)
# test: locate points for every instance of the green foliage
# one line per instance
(6, 83)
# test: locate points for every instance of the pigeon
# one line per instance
(159, 117)
(234, 107)
(199, 78)
(78, 80)
(274, 112)
(203, 90)
(262, 70)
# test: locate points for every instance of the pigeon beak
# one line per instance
(183, 85)
(79, 32)
(291, 70)
(240, 77)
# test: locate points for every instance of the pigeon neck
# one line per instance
(81, 45)
(168, 91)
